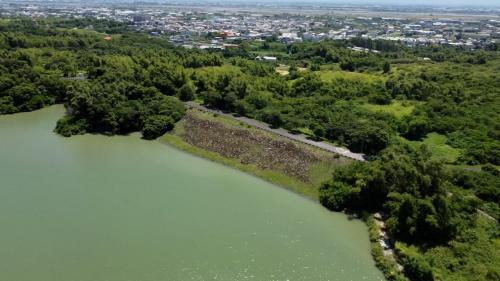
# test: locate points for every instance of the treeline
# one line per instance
(375, 55)
(118, 108)
(337, 52)
(99, 25)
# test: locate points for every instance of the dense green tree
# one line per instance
(273, 118)
(187, 92)
(387, 67)
(157, 125)
(26, 97)
(406, 184)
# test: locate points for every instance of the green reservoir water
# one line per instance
(97, 208)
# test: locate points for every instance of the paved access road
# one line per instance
(296, 137)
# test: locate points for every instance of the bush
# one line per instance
(380, 98)
(187, 92)
(337, 196)
(157, 125)
(68, 126)
(416, 267)
(273, 118)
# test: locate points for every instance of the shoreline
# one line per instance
(272, 177)
(318, 170)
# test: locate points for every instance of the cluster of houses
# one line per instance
(473, 34)
(219, 28)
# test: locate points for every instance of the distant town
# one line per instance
(224, 26)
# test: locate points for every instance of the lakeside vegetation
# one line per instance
(410, 116)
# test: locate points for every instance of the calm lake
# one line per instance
(97, 208)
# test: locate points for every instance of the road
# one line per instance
(281, 132)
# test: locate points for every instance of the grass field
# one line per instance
(327, 76)
(437, 145)
(330, 67)
(397, 108)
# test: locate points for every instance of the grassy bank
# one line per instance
(292, 165)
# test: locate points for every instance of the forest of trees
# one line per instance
(137, 83)
(429, 208)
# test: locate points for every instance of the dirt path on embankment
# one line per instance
(281, 132)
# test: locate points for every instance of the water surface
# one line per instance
(97, 208)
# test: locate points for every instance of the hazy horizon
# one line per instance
(373, 2)
(442, 3)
